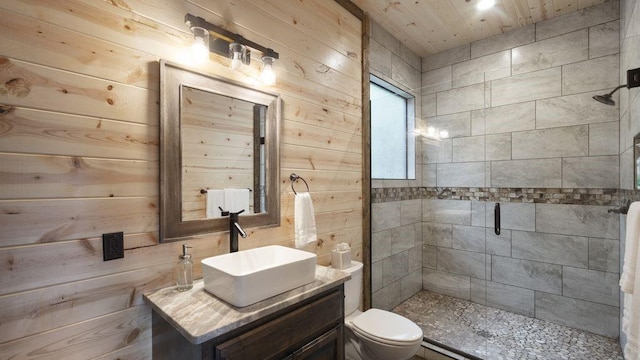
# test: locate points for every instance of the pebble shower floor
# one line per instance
(494, 334)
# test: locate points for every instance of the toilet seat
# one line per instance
(387, 328)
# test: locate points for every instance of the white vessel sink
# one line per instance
(246, 277)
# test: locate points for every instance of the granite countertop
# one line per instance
(200, 316)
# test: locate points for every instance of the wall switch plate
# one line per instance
(633, 78)
(112, 246)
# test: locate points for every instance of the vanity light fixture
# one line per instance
(228, 44)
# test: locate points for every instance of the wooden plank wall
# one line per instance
(79, 117)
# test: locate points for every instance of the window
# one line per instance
(392, 129)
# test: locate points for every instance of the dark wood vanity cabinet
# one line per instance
(312, 329)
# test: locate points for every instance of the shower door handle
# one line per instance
(496, 218)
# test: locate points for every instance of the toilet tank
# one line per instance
(353, 288)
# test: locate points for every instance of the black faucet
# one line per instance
(234, 230)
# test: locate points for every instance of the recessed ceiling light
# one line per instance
(485, 4)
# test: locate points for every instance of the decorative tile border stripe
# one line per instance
(605, 197)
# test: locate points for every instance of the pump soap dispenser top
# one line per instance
(184, 270)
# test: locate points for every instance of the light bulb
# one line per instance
(200, 46)
(237, 53)
(268, 76)
(236, 62)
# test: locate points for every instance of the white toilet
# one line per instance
(375, 334)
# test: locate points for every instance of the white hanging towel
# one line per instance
(304, 220)
(215, 199)
(630, 283)
(236, 200)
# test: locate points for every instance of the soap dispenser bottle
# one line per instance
(184, 270)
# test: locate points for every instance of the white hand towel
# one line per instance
(630, 283)
(215, 199)
(304, 220)
(236, 200)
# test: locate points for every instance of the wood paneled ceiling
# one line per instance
(431, 26)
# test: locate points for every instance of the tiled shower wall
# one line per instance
(519, 114)
(397, 223)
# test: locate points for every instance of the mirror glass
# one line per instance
(219, 153)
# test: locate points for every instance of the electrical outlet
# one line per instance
(112, 246)
(633, 78)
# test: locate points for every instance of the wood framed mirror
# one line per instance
(215, 136)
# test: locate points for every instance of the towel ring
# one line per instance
(294, 178)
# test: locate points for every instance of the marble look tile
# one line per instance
(527, 274)
(380, 59)
(593, 15)
(460, 99)
(410, 211)
(394, 268)
(404, 238)
(511, 298)
(415, 259)
(429, 172)
(410, 57)
(514, 216)
(498, 147)
(376, 276)
(428, 105)
(549, 143)
(590, 172)
(581, 220)
(550, 248)
(454, 212)
(437, 234)
(468, 174)
(604, 39)
(604, 138)
(481, 69)
(509, 118)
(429, 257)
(448, 57)
(627, 164)
(478, 216)
(461, 262)
(437, 151)
(555, 51)
(384, 38)
(603, 319)
(596, 286)
(590, 75)
(479, 291)
(498, 244)
(468, 238)
(387, 297)
(510, 39)
(575, 109)
(447, 284)
(467, 149)
(436, 80)
(380, 245)
(385, 215)
(526, 87)
(404, 73)
(457, 125)
(545, 173)
(410, 285)
(604, 255)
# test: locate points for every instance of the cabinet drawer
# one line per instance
(280, 337)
